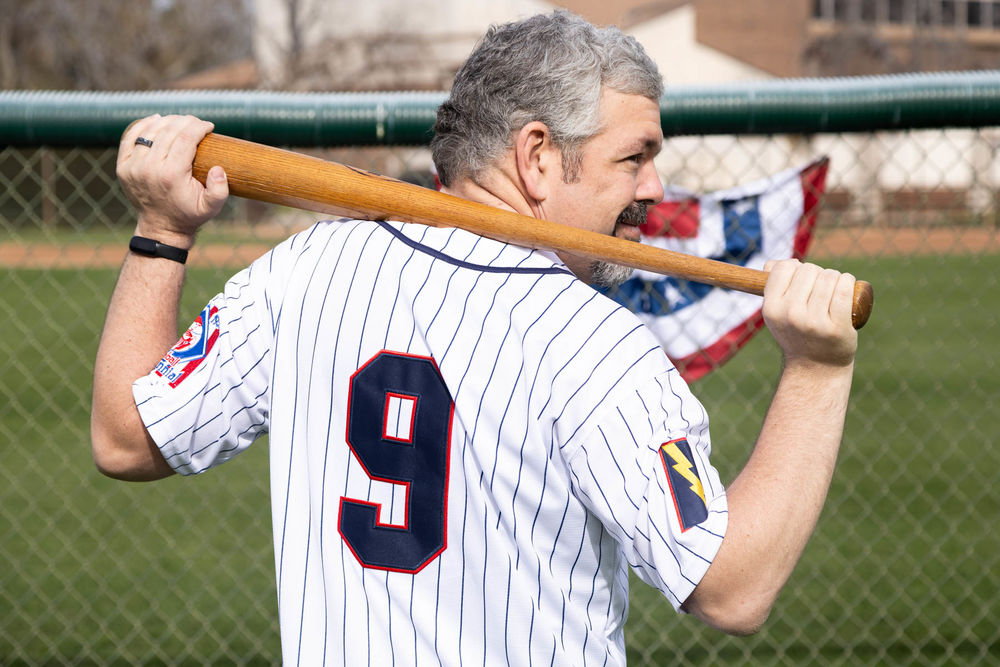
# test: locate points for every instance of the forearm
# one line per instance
(154, 166)
(141, 326)
(776, 500)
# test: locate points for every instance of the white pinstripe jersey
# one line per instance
(465, 447)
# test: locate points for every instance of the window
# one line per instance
(947, 13)
(897, 11)
(982, 14)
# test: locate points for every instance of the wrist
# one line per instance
(809, 368)
(146, 247)
(164, 234)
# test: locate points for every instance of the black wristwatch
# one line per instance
(150, 248)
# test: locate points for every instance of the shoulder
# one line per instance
(596, 343)
(310, 246)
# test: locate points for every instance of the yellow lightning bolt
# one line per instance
(684, 467)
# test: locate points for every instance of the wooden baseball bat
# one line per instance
(293, 179)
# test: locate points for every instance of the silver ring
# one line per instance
(143, 141)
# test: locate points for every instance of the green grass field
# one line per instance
(903, 569)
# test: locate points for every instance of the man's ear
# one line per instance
(537, 159)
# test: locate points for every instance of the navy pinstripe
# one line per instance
(554, 483)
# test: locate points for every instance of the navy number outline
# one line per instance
(420, 462)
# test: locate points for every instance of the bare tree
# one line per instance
(139, 44)
(302, 46)
(291, 35)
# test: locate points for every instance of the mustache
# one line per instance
(634, 215)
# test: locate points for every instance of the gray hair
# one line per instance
(550, 68)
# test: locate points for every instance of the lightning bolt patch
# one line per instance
(685, 486)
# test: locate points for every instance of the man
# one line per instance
(469, 445)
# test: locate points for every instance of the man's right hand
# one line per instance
(808, 311)
(171, 204)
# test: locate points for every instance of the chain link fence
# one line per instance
(904, 566)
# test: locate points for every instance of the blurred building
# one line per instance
(853, 37)
(419, 44)
(373, 45)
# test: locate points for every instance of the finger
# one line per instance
(135, 130)
(185, 133)
(166, 134)
(842, 304)
(779, 276)
(800, 291)
(190, 137)
(779, 282)
(821, 297)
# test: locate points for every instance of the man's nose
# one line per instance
(650, 188)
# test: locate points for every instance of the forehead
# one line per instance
(630, 122)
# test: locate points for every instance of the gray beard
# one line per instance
(610, 275)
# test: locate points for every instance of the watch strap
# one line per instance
(152, 248)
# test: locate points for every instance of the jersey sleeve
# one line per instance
(644, 470)
(208, 398)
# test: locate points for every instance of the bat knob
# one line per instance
(864, 299)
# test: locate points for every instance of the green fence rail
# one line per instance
(960, 99)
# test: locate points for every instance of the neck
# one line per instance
(498, 187)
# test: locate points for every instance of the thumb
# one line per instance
(216, 189)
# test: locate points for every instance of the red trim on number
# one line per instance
(400, 482)
(407, 398)
(378, 506)
(378, 512)
(405, 484)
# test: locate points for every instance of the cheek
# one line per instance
(595, 203)
(576, 204)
